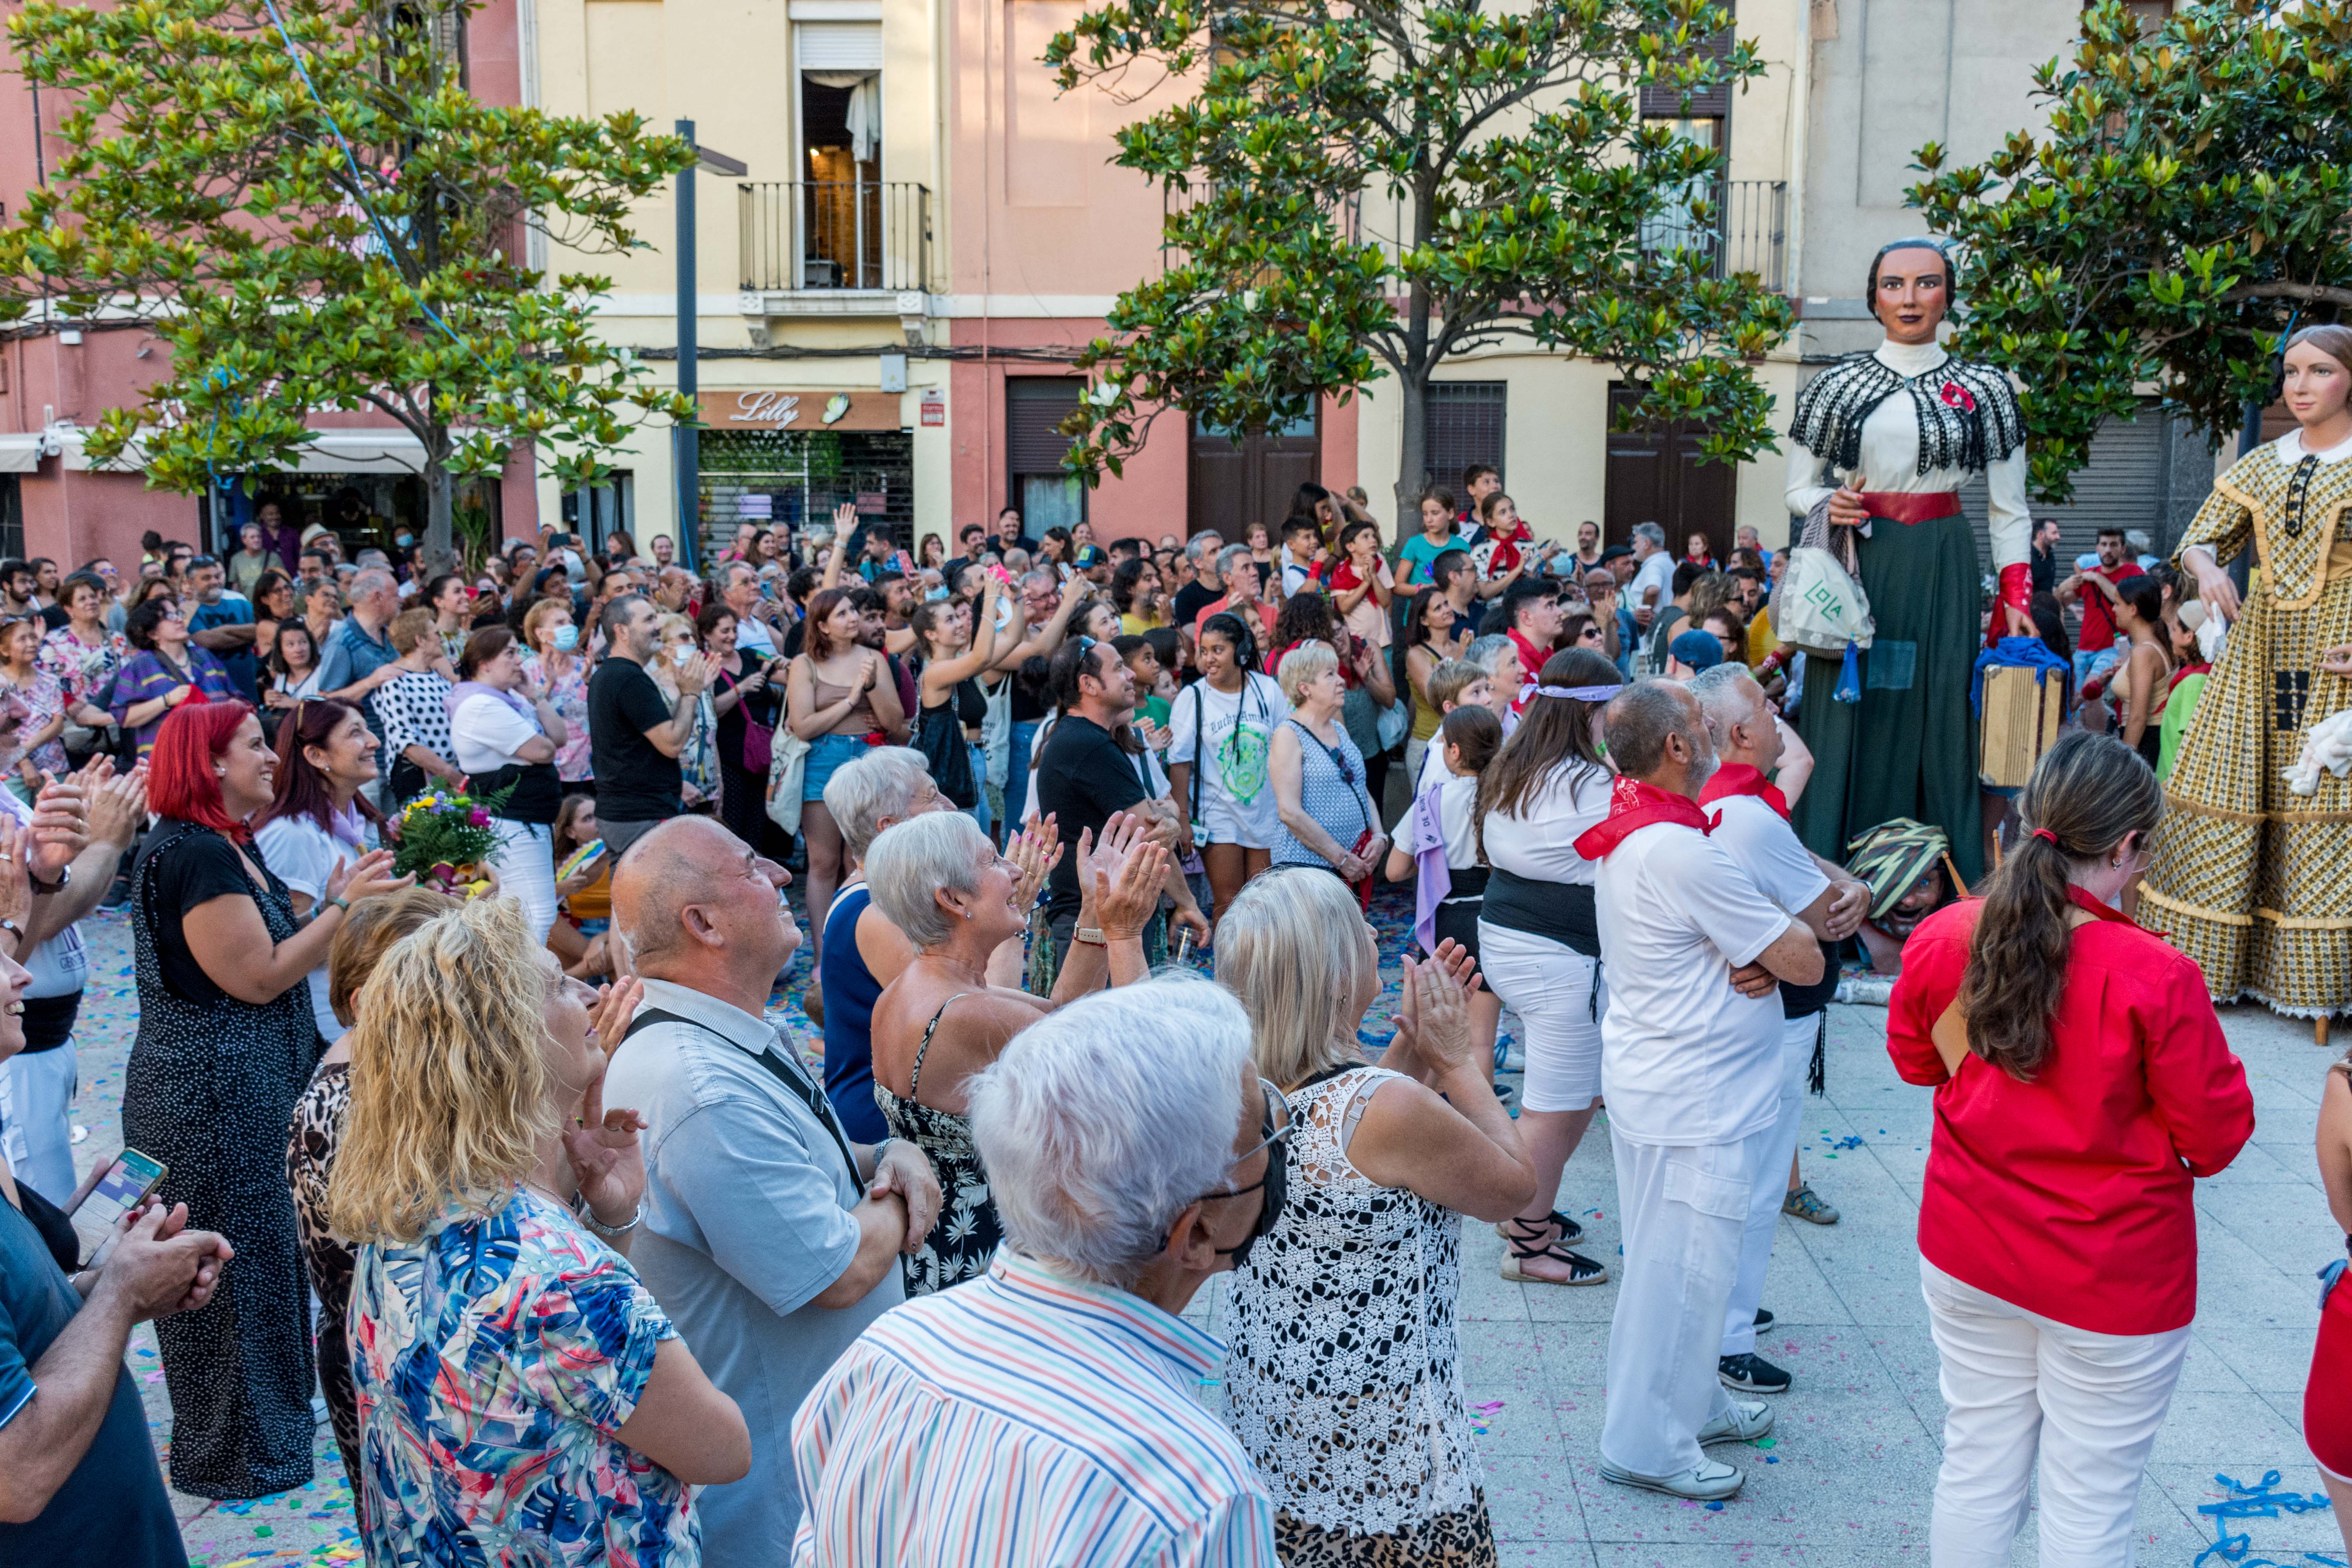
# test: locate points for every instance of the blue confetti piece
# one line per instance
(1714, 1507)
(2260, 1500)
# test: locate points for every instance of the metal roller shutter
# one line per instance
(2122, 486)
(1034, 406)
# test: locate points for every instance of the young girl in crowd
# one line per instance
(2187, 682)
(1221, 730)
(1438, 846)
(583, 891)
(1540, 944)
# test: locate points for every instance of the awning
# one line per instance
(19, 453)
(344, 451)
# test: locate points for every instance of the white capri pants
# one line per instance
(1797, 1037)
(2014, 1382)
(1560, 998)
(527, 870)
(35, 1092)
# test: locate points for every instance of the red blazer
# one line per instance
(2071, 1196)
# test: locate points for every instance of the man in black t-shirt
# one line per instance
(1202, 552)
(636, 733)
(1085, 777)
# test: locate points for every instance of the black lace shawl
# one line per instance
(1952, 435)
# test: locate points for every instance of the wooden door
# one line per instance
(1233, 483)
(1654, 474)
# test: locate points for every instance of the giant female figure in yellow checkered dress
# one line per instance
(2250, 880)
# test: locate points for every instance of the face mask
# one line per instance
(404, 540)
(935, 595)
(566, 639)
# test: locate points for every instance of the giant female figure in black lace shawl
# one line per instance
(1887, 439)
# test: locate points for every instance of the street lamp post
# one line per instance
(687, 438)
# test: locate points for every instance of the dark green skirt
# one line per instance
(1909, 747)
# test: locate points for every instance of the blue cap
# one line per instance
(1699, 649)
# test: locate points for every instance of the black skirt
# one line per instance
(1458, 921)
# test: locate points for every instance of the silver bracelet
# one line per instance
(609, 1231)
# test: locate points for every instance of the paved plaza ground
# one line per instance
(1849, 1471)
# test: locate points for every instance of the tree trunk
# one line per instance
(440, 554)
(1413, 455)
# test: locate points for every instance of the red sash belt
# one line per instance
(1911, 508)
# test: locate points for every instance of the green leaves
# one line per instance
(2188, 204)
(348, 235)
(1361, 191)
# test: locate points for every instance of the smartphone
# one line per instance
(1184, 944)
(132, 1181)
(906, 564)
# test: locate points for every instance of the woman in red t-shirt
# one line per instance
(2327, 1397)
(2081, 1082)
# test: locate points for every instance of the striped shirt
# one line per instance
(1025, 1418)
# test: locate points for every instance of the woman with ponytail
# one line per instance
(2081, 1082)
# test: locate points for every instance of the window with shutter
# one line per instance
(1462, 421)
(1034, 406)
(1714, 103)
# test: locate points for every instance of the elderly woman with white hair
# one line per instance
(1329, 819)
(1367, 1453)
(885, 785)
(1138, 1153)
(942, 882)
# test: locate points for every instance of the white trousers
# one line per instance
(35, 1092)
(527, 870)
(1560, 998)
(2014, 1382)
(1682, 1211)
(1797, 1036)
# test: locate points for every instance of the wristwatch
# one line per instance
(14, 930)
(64, 876)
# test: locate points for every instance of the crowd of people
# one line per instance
(590, 1261)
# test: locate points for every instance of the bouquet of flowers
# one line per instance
(445, 837)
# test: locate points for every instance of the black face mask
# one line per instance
(1276, 1145)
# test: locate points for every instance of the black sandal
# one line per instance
(1570, 1233)
(1529, 1242)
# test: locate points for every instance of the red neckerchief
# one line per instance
(1633, 805)
(1738, 778)
(2083, 901)
(2186, 671)
(1531, 663)
(1505, 557)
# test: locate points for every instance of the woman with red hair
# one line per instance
(225, 1045)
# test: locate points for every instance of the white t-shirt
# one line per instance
(753, 635)
(1685, 1058)
(484, 733)
(1769, 850)
(1657, 572)
(1457, 820)
(60, 965)
(1236, 796)
(1541, 844)
(303, 855)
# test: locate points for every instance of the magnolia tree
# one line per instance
(2188, 203)
(1534, 205)
(308, 206)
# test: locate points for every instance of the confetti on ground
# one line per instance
(2260, 1500)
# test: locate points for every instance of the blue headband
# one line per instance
(1580, 693)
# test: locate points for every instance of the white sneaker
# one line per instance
(1706, 1481)
(1747, 1420)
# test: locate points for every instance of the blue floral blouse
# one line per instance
(493, 1361)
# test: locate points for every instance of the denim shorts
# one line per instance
(827, 754)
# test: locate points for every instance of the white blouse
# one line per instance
(1890, 461)
(1542, 845)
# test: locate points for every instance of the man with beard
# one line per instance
(874, 631)
(1690, 1068)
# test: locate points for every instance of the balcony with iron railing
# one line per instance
(1749, 233)
(823, 236)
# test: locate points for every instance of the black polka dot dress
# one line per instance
(210, 1091)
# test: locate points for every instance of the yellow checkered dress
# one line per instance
(2250, 880)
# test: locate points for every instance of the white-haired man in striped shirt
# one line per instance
(1049, 1410)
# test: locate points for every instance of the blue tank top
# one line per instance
(849, 992)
